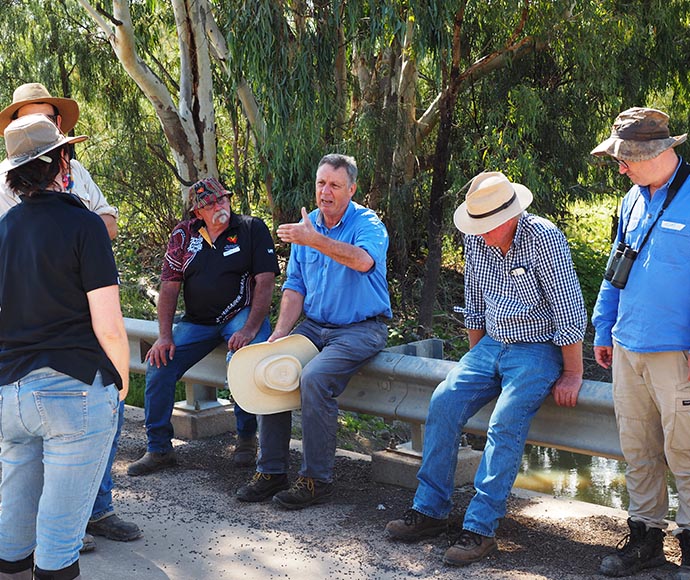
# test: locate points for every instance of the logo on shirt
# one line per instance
(232, 239)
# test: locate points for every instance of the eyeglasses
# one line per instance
(218, 201)
(621, 163)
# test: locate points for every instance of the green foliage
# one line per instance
(137, 386)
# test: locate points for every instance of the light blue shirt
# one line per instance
(652, 312)
(336, 294)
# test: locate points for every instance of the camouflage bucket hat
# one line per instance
(204, 192)
(639, 134)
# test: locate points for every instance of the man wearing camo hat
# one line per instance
(642, 323)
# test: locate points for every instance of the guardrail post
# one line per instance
(202, 414)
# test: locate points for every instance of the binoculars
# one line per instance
(619, 264)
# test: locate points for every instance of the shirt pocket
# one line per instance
(670, 244)
(526, 286)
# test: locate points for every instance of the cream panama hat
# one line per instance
(490, 202)
(264, 377)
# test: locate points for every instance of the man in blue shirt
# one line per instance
(526, 319)
(336, 277)
(643, 329)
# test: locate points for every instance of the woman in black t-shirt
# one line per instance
(64, 357)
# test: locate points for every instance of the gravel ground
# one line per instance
(351, 526)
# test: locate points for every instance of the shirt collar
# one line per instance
(348, 212)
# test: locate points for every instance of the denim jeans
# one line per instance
(521, 376)
(192, 343)
(344, 350)
(55, 436)
(103, 505)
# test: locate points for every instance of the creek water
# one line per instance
(570, 475)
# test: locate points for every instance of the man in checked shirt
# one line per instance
(526, 319)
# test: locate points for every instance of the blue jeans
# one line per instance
(343, 351)
(192, 343)
(521, 376)
(103, 505)
(55, 436)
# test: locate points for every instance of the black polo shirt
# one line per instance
(52, 252)
(218, 278)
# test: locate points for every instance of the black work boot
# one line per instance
(414, 526)
(115, 528)
(683, 572)
(263, 486)
(304, 492)
(151, 462)
(642, 548)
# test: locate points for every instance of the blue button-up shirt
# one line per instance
(652, 312)
(531, 294)
(334, 293)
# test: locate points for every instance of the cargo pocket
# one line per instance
(681, 422)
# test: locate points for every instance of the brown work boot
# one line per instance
(414, 526)
(263, 486)
(469, 547)
(245, 452)
(683, 572)
(304, 492)
(642, 548)
(152, 461)
(88, 544)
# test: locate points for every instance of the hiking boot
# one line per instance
(683, 572)
(642, 548)
(303, 493)
(114, 528)
(469, 547)
(88, 544)
(263, 486)
(152, 461)
(245, 452)
(414, 526)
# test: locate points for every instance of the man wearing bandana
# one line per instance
(226, 266)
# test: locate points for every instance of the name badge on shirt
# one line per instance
(519, 271)
(675, 226)
(231, 250)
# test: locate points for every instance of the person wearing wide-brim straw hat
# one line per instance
(33, 98)
(642, 332)
(64, 357)
(526, 319)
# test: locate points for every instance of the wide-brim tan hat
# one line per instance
(30, 137)
(639, 134)
(264, 377)
(490, 202)
(31, 93)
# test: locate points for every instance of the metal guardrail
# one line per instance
(398, 383)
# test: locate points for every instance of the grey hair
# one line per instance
(337, 160)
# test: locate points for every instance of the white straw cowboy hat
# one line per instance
(639, 134)
(264, 377)
(490, 202)
(35, 93)
(30, 137)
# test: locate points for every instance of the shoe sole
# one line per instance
(149, 471)
(432, 533)
(655, 563)
(451, 562)
(114, 537)
(299, 506)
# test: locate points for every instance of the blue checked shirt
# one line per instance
(531, 294)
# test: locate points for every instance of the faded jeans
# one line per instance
(103, 505)
(55, 436)
(520, 376)
(343, 350)
(192, 343)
